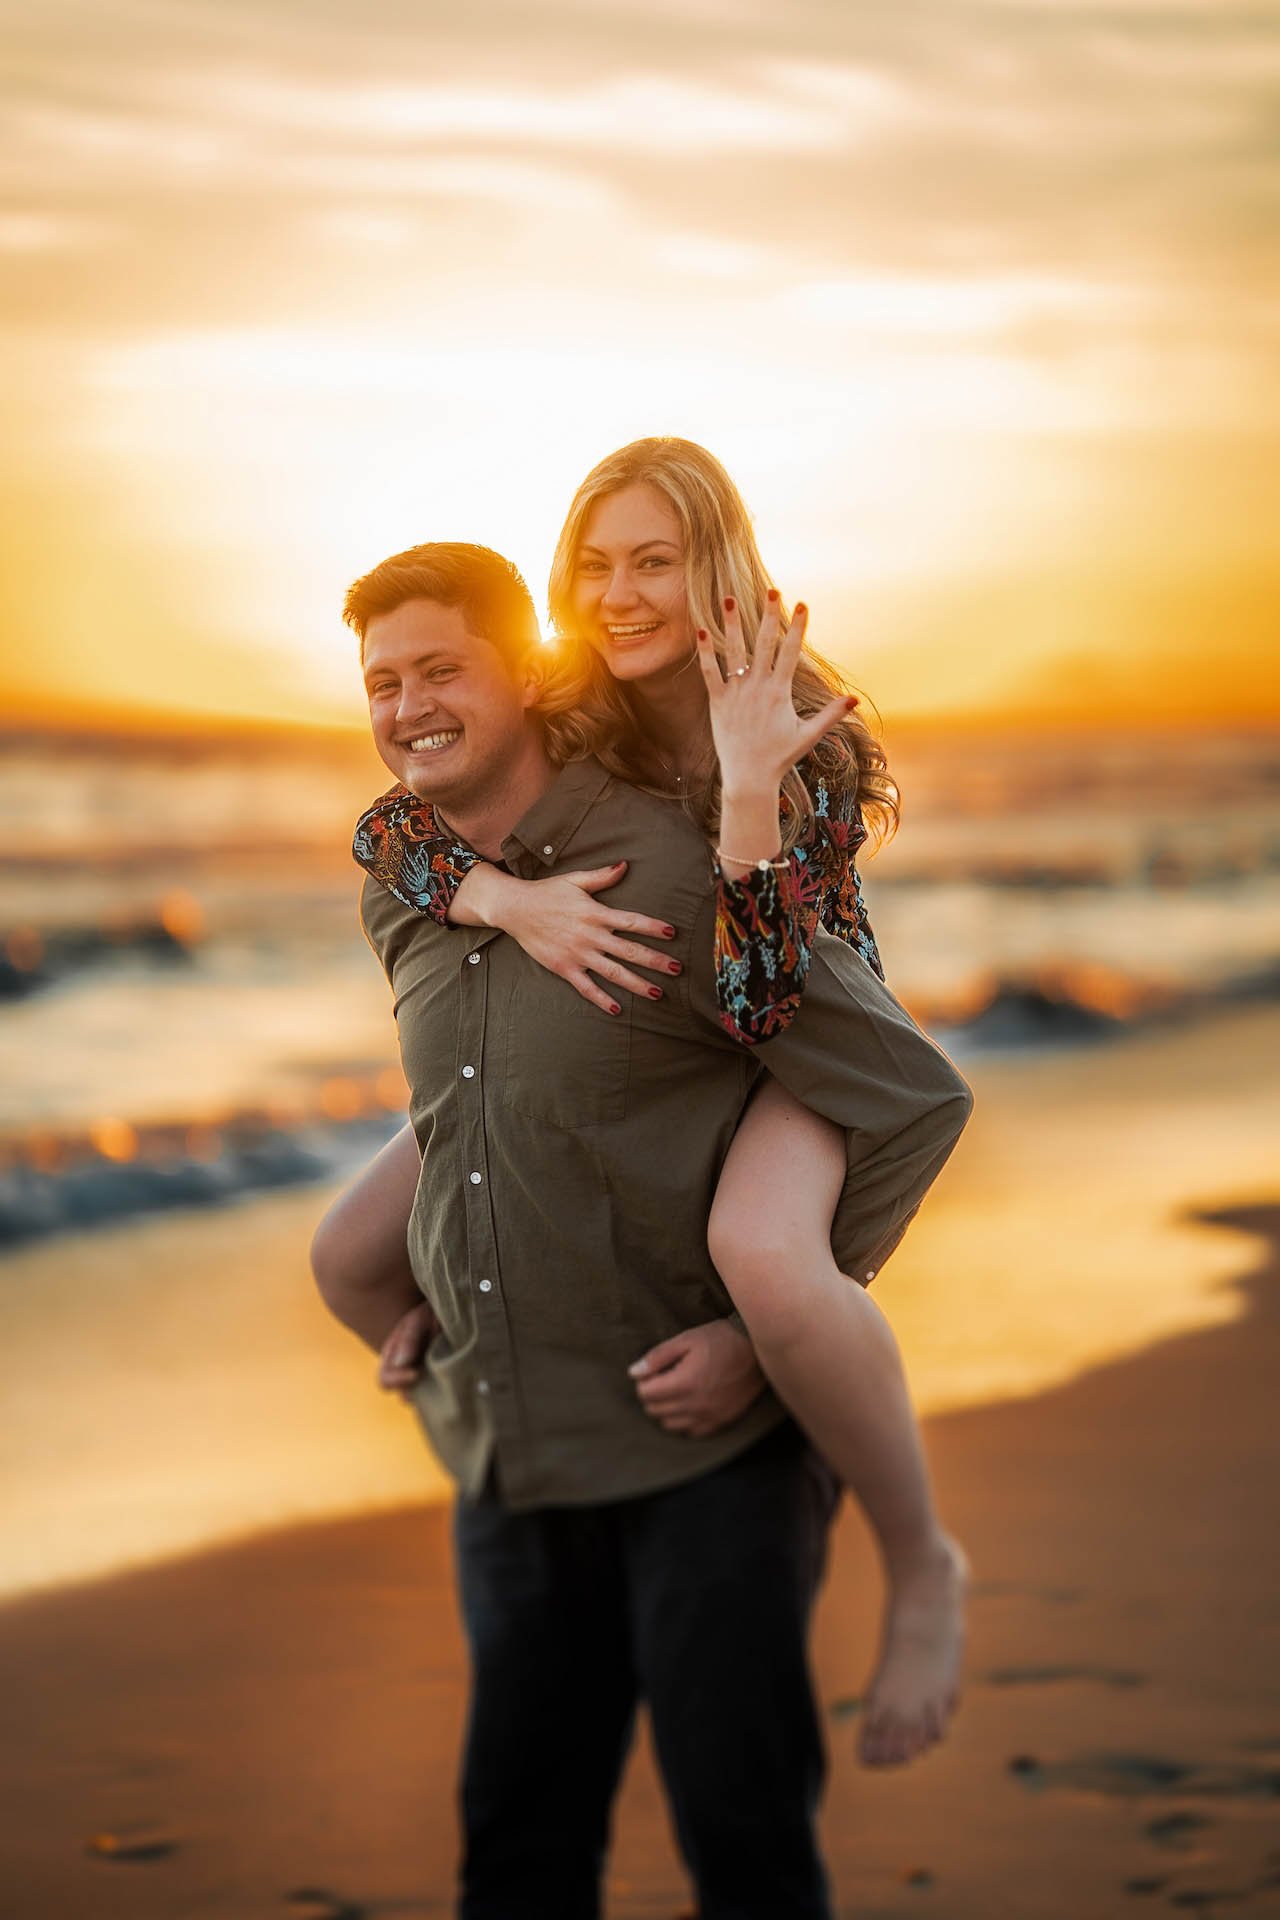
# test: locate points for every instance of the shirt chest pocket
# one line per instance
(566, 1061)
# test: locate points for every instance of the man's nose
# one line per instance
(417, 701)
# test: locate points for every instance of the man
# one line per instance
(568, 1165)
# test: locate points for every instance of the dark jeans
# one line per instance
(697, 1599)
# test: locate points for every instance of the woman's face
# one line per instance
(628, 584)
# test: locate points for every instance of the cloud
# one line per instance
(34, 233)
(936, 258)
(642, 112)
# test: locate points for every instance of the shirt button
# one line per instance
(473, 959)
(474, 1179)
(486, 1286)
(548, 850)
(872, 1274)
(468, 1073)
(482, 1386)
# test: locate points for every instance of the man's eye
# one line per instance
(442, 673)
(383, 686)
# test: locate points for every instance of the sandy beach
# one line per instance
(270, 1729)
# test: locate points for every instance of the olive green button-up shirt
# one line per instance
(570, 1156)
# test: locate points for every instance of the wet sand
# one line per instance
(271, 1729)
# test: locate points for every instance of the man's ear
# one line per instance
(534, 676)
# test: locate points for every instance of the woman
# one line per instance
(702, 690)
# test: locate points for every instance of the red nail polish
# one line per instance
(655, 993)
(702, 633)
(773, 593)
(670, 932)
(852, 702)
(614, 1007)
(801, 607)
(729, 605)
(673, 966)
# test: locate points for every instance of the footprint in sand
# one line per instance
(1053, 1676)
(318, 1903)
(1118, 1775)
(138, 1845)
(1174, 1830)
(1132, 1775)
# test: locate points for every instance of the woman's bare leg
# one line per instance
(360, 1252)
(832, 1358)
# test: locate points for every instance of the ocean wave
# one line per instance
(55, 1181)
(1075, 1005)
(60, 1183)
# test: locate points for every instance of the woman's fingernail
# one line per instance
(670, 932)
(702, 633)
(673, 966)
(852, 702)
(729, 604)
(655, 993)
(773, 593)
(801, 607)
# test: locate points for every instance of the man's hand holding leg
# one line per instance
(699, 1380)
(403, 1350)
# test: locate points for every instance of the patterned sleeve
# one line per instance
(398, 841)
(766, 921)
(843, 909)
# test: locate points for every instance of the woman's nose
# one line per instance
(618, 591)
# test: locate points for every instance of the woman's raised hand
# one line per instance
(562, 926)
(758, 734)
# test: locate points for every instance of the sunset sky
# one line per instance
(979, 303)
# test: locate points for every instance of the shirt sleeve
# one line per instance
(766, 922)
(399, 842)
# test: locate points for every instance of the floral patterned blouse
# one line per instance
(765, 922)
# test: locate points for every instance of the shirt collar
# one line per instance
(552, 820)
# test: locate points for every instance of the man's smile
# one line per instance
(432, 742)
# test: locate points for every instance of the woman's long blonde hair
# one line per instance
(721, 560)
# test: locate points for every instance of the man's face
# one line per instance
(449, 715)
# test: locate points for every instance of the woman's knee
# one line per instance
(770, 1273)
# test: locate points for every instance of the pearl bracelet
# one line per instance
(761, 866)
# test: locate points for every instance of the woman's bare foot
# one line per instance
(917, 1683)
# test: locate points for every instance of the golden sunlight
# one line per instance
(420, 302)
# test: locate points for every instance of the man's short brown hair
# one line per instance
(488, 591)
